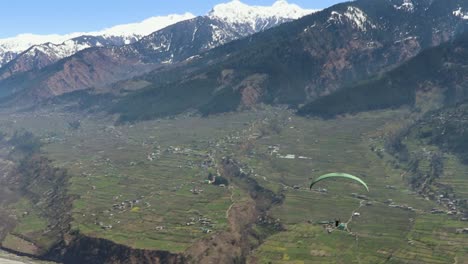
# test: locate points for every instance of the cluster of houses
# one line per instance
(400, 206)
(196, 190)
(265, 220)
(206, 223)
(462, 230)
(128, 204)
(104, 226)
(449, 203)
(178, 150)
(231, 139)
(274, 151)
(154, 155)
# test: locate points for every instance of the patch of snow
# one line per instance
(310, 27)
(405, 39)
(460, 14)
(194, 33)
(236, 12)
(163, 45)
(335, 17)
(169, 61)
(217, 35)
(407, 5)
(353, 14)
(358, 17)
(193, 58)
(169, 45)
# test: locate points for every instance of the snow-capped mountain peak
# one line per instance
(144, 27)
(240, 19)
(124, 34)
(163, 37)
(24, 41)
(236, 12)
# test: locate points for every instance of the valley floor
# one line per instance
(146, 185)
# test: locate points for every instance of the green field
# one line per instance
(157, 164)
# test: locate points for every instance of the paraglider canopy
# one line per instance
(339, 175)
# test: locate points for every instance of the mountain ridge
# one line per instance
(303, 60)
(125, 34)
(168, 45)
(131, 32)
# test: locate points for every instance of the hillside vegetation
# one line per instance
(439, 70)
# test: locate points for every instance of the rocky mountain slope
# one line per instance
(226, 22)
(300, 61)
(436, 73)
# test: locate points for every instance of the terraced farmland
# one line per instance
(145, 185)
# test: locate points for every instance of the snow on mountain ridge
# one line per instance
(57, 46)
(228, 21)
(236, 12)
(231, 12)
(58, 51)
(22, 42)
(240, 18)
(353, 15)
(358, 17)
(145, 27)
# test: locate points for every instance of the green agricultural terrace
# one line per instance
(146, 185)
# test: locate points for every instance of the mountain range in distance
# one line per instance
(178, 41)
(238, 56)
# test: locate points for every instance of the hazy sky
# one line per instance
(65, 16)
